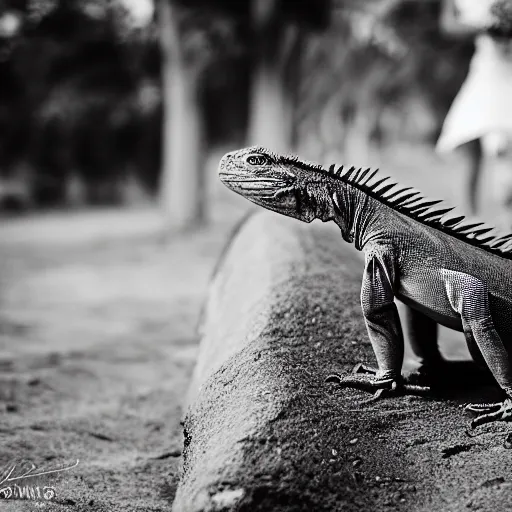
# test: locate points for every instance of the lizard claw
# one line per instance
(358, 381)
(488, 413)
(380, 393)
(365, 378)
(363, 368)
(482, 408)
(363, 381)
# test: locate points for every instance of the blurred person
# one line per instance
(481, 115)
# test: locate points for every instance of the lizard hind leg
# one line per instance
(421, 333)
(470, 298)
(434, 370)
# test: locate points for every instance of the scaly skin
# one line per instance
(444, 270)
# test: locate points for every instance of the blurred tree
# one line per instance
(88, 94)
(390, 63)
(278, 29)
(182, 190)
(198, 38)
(87, 80)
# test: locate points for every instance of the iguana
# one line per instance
(445, 270)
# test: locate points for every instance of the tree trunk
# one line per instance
(275, 78)
(182, 188)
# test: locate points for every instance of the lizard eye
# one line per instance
(257, 160)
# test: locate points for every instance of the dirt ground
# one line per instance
(97, 343)
(98, 340)
(266, 433)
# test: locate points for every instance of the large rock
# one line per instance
(263, 432)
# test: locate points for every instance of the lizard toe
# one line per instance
(413, 389)
(489, 413)
(479, 409)
(380, 393)
(381, 386)
(363, 368)
(362, 381)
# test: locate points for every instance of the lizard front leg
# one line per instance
(422, 334)
(470, 298)
(385, 333)
(421, 331)
(434, 370)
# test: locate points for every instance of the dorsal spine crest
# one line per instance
(411, 203)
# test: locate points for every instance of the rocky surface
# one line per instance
(264, 432)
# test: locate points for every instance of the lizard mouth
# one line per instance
(254, 185)
(276, 193)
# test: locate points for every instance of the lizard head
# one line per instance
(279, 183)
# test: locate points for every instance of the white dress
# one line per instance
(483, 106)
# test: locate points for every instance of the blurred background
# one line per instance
(125, 101)
(113, 117)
